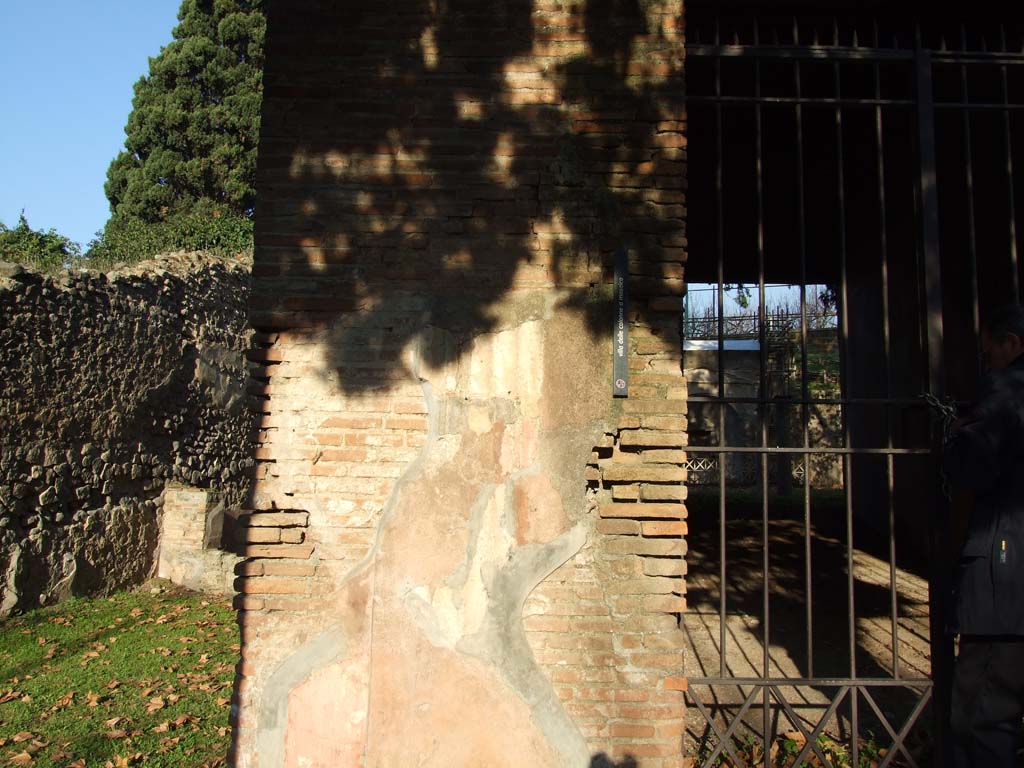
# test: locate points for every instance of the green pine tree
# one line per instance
(190, 147)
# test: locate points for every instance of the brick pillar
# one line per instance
(442, 190)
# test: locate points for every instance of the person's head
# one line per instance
(1002, 340)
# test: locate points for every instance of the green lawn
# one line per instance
(133, 679)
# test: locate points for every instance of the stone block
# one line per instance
(664, 566)
(277, 519)
(643, 438)
(650, 492)
(276, 551)
(642, 510)
(633, 545)
(618, 527)
(261, 535)
(653, 473)
(664, 528)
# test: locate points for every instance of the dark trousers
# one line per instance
(988, 701)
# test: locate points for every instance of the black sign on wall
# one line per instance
(620, 328)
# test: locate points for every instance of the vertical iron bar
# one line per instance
(942, 646)
(1014, 264)
(764, 397)
(847, 459)
(886, 344)
(972, 242)
(930, 224)
(805, 411)
(721, 361)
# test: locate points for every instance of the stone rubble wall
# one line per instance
(113, 385)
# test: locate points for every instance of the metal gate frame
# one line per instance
(765, 689)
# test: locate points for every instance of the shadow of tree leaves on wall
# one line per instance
(422, 166)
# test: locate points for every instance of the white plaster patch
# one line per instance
(459, 610)
(508, 364)
(493, 547)
(479, 419)
(509, 444)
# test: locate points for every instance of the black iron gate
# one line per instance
(822, 151)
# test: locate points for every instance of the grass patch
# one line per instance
(133, 679)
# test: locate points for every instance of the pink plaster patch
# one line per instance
(540, 516)
(327, 716)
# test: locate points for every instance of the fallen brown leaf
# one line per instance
(117, 733)
(22, 758)
(166, 742)
(22, 736)
(155, 704)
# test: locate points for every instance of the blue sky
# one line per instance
(67, 70)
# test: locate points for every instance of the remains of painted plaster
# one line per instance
(490, 569)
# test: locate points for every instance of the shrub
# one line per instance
(127, 239)
(47, 251)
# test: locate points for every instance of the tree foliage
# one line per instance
(128, 239)
(47, 250)
(190, 146)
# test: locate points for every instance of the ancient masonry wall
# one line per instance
(462, 550)
(112, 387)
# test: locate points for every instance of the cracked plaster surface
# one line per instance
(428, 664)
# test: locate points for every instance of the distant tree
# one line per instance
(190, 146)
(45, 250)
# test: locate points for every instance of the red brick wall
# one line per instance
(419, 163)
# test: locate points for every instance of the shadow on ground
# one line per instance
(815, 617)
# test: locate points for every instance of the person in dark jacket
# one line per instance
(985, 455)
